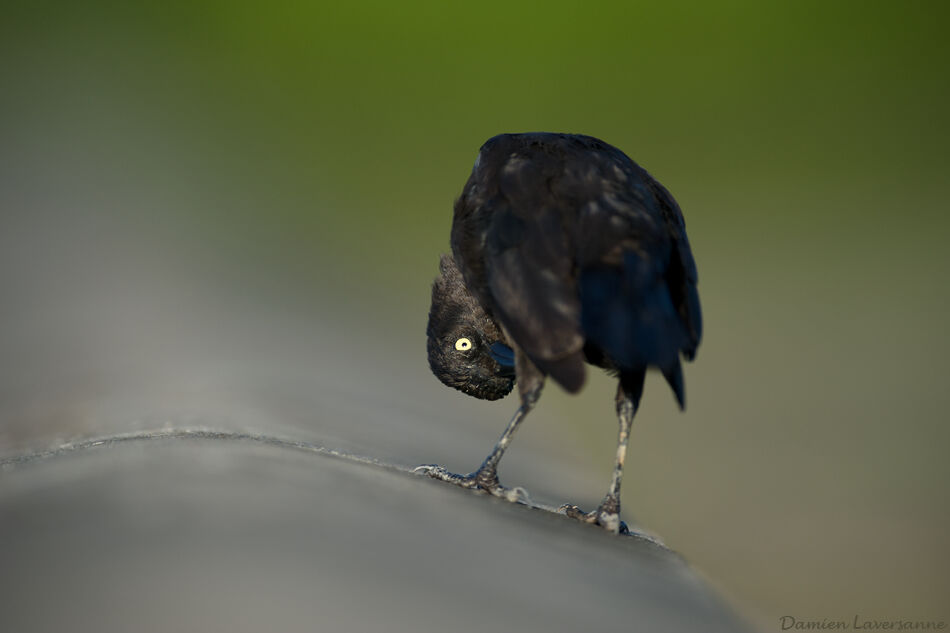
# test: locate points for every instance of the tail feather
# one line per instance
(674, 376)
(628, 313)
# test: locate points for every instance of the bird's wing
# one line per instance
(534, 293)
(681, 276)
(566, 241)
(639, 302)
(515, 251)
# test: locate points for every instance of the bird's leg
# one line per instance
(607, 515)
(487, 474)
(486, 477)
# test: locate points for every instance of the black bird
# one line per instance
(564, 251)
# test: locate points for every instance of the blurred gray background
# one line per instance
(229, 215)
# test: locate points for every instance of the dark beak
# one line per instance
(505, 357)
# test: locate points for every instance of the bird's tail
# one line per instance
(628, 313)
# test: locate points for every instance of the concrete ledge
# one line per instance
(197, 530)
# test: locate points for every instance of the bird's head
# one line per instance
(465, 346)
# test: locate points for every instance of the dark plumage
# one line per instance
(564, 251)
(460, 336)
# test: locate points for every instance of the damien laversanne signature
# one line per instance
(859, 623)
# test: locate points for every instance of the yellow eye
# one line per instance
(463, 345)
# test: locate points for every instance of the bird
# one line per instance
(565, 253)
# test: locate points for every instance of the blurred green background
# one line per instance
(309, 154)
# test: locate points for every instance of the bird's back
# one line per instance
(577, 252)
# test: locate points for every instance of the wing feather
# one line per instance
(541, 216)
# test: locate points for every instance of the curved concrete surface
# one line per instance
(202, 531)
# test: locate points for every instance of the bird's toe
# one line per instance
(514, 495)
(610, 521)
(483, 480)
(442, 474)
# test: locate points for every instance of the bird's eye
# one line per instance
(463, 344)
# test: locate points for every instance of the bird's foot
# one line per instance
(439, 472)
(482, 480)
(606, 518)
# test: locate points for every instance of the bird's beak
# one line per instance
(505, 357)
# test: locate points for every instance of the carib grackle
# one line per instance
(563, 251)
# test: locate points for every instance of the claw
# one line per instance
(428, 469)
(480, 481)
(610, 521)
(514, 495)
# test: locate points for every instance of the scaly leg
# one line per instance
(486, 477)
(607, 515)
